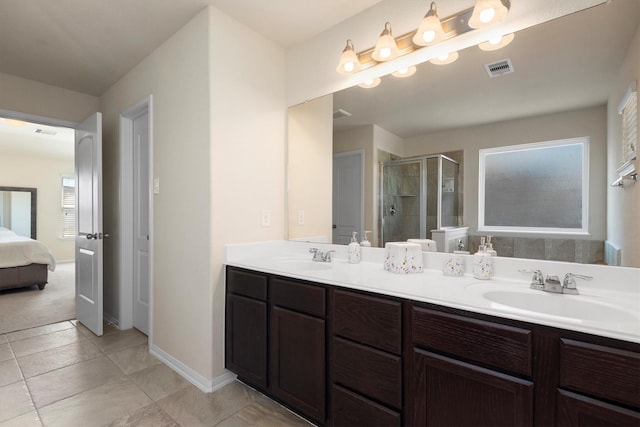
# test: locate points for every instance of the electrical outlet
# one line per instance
(266, 218)
(301, 217)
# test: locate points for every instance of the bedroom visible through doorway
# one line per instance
(38, 157)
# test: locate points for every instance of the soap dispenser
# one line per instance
(365, 243)
(489, 247)
(482, 268)
(354, 249)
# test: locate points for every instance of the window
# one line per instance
(535, 188)
(628, 109)
(68, 218)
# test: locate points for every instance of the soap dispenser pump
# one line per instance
(354, 249)
(365, 242)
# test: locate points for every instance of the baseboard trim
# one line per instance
(204, 384)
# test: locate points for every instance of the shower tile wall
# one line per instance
(570, 250)
(402, 191)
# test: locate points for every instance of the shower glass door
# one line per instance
(402, 192)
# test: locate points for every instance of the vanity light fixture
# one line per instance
(488, 12)
(349, 62)
(430, 30)
(445, 59)
(368, 84)
(405, 72)
(386, 48)
(497, 42)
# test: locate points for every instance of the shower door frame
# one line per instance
(422, 160)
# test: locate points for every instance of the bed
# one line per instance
(23, 261)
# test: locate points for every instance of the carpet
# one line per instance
(30, 307)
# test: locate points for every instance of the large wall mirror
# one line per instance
(18, 210)
(561, 80)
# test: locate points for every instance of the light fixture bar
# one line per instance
(452, 26)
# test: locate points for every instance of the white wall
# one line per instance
(27, 96)
(623, 204)
(590, 122)
(44, 174)
(309, 168)
(247, 153)
(177, 74)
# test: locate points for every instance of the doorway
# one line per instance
(136, 221)
(38, 153)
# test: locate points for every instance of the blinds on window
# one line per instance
(628, 109)
(68, 207)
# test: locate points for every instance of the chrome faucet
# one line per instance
(569, 283)
(537, 281)
(552, 283)
(320, 256)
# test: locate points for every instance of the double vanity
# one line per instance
(353, 345)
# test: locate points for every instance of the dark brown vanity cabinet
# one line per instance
(246, 326)
(598, 385)
(276, 338)
(469, 372)
(297, 346)
(366, 360)
(344, 357)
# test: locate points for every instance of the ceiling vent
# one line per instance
(498, 68)
(46, 132)
(340, 113)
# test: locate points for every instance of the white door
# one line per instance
(141, 197)
(348, 196)
(89, 240)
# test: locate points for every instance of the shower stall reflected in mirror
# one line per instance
(418, 195)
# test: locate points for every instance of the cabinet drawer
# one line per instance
(297, 296)
(369, 320)
(374, 373)
(241, 282)
(600, 371)
(504, 347)
(351, 409)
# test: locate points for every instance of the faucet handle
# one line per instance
(537, 281)
(569, 283)
(327, 256)
(313, 250)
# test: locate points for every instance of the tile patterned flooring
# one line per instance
(63, 375)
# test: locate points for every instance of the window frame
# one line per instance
(482, 156)
(64, 208)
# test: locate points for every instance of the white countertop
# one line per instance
(609, 305)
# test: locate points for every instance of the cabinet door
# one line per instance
(451, 393)
(575, 410)
(298, 361)
(246, 339)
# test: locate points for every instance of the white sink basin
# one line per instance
(558, 305)
(298, 264)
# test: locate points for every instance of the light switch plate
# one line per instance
(156, 185)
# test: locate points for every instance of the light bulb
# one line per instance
(495, 40)
(487, 15)
(443, 57)
(349, 67)
(429, 36)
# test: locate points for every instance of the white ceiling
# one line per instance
(24, 138)
(87, 45)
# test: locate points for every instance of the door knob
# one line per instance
(92, 236)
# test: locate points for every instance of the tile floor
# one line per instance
(63, 375)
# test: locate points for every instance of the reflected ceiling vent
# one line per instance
(46, 131)
(340, 113)
(498, 68)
